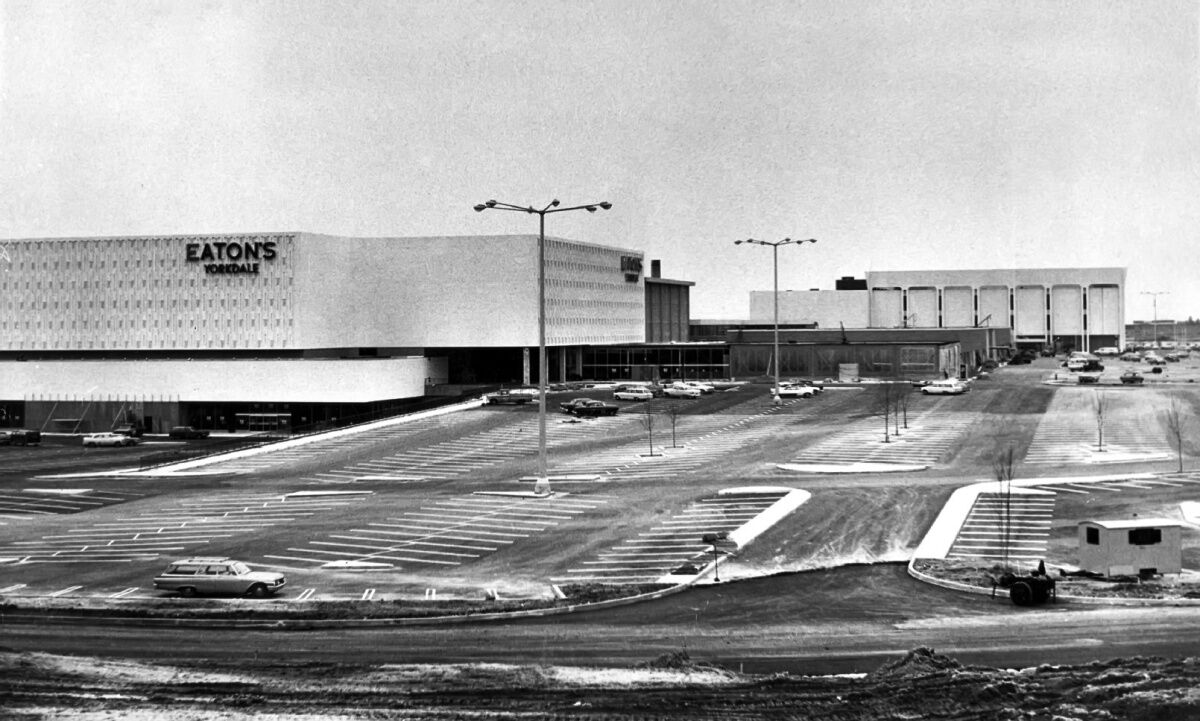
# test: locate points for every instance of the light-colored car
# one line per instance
(1108, 351)
(192, 576)
(681, 391)
(633, 394)
(96, 440)
(796, 390)
(702, 387)
(947, 387)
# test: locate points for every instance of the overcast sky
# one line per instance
(901, 135)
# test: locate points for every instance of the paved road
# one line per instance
(845, 620)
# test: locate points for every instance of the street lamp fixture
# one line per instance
(775, 255)
(1155, 294)
(542, 481)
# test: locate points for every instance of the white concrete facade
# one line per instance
(279, 318)
(1039, 304)
(1073, 306)
(278, 291)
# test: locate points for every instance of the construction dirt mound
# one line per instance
(922, 684)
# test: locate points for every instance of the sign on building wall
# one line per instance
(219, 257)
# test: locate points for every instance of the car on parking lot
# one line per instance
(20, 437)
(129, 429)
(508, 398)
(1154, 359)
(795, 390)
(1132, 377)
(1108, 350)
(96, 440)
(193, 576)
(946, 386)
(681, 391)
(1130, 357)
(186, 433)
(633, 394)
(592, 408)
(704, 388)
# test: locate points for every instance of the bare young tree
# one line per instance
(1175, 419)
(648, 424)
(1100, 407)
(673, 413)
(882, 403)
(1002, 468)
(903, 396)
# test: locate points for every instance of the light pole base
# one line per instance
(541, 487)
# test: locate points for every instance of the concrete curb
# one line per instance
(942, 534)
(1089, 600)
(180, 469)
(279, 623)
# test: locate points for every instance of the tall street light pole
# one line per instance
(775, 254)
(1154, 294)
(542, 481)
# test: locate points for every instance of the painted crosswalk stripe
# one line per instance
(65, 591)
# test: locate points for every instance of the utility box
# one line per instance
(1135, 547)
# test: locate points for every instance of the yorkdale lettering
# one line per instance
(239, 257)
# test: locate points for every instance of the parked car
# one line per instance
(1130, 357)
(129, 429)
(508, 398)
(20, 437)
(817, 387)
(795, 390)
(569, 406)
(704, 388)
(1084, 365)
(1108, 350)
(1089, 377)
(633, 394)
(1132, 377)
(1154, 359)
(193, 576)
(948, 387)
(592, 408)
(186, 433)
(96, 440)
(681, 391)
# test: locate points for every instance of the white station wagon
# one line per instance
(93, 440)
(192, 576)
(948, 387)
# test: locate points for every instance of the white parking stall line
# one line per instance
(629, 555)
(457, 529)
(368, 594)
(403, 543)
(376, 557)
(502, 514)
(306, 594)
(14, 587)
(429, 539)
(65, 591)
(477, 520)
(373, 550)
(123, 594)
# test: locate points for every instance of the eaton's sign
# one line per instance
(231, 256)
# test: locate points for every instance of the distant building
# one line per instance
(1064, 308)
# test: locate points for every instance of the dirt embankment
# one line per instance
(923, 684)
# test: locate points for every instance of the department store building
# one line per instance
(266, 330)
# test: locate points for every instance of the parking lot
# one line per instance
(412, 509)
